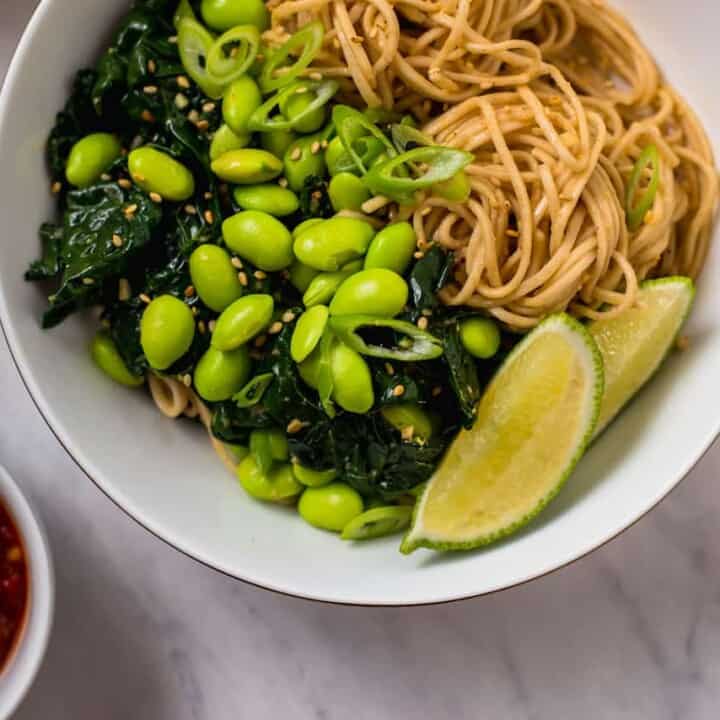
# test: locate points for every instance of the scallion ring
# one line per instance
(194, 43)
(640, 197)
(406, 137)
(233, 53)
(352, 126)
(275, 74)
(252, 393)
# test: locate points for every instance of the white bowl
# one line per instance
(22, 665)
(166, 476)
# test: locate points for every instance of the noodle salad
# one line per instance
(332, 231)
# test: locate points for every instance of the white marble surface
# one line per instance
(142, 632)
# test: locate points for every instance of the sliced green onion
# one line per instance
(639, 200)
(309, 39)
(378, 522)
(326, 384)
(405, 135)
(262, 121)
(442, 163)
(233, 53)
(252, 393)
(194, 44)
(261, 449)
(184, 10)
(368, 149)
(416, 344)
(352, 126)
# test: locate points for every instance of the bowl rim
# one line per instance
(56, 427)
(31, 644)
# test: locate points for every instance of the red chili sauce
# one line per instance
(13, 585)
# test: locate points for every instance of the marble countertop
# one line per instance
(631, 632)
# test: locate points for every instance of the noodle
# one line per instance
(556, 99)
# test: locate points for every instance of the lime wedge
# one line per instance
(635, 343)
(533, 424)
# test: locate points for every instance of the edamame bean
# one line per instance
(456, 189)
(301, 163)
(308, 331)
(247, 166)
(90, 157)
(108, 359)
(347, 192)
(333, 243)
(301, 275)
(219, 375)
(309, 369)
(242, 320)
(225, 140)
(240, 101)
(304, 225)
(480, 337)
(259, 238)
(268, 446)
(271, 199)
(330, 507)
(214, 278)
(352, 383)
(167, 328)
(277, 141)
(324, 285)
(223, 15)
(156, 171)
(409, 415)
(392, 248)
(313, 478)
(296, 104)
(335, 151)
(371, 292)
(277, 484)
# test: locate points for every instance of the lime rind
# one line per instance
(685, 288)
(590, 354)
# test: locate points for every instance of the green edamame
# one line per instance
(213, 276)
(333, 243)
(392, 248)
(301, 163)
(295, 105)
(108, 359)
(377, 291)
(304, 225)
(480, 336)
(403, 416)
(225, 14)
(247, 166)
(242, 320)
(324, 285)
(308, 331)
(225, 140)
(347, 192)
(240, 101)
(219, 375)
(301, 275)
(330, 507)
(167, 328)
(352, 383)
(156, 171)
(309, 369)
(277, 141)
(90, 157)
(277, 484)
(268, 446)
(271, 199)
(313, 478)
(335, 151)
(259, 238)
(378, 522)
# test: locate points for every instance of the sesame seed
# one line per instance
(151, 66)
(288, 317)
(208, 195)
(427, 312)
(422, 323)
(302, 89)
(296, 154)
(194, 311)
(56, 187)
(315, 148)
(236, 263)
(209, 217)
(124, 291)
(208, 107)
(117, 241)
(138, 177)
(187, 380)
(437, 390)
(144, 297)
(189, 291)
(105, 177)
(211, 325)
(182, 82)
(295, 426)
(150, 89)
(282, 182)
(419, 255)
(172, 39)
(124, 183)
(315, 76)
(243, 278)
(407, 433)
(202, 125)
(389, 369)
(259, 275)
(201, 327)
(147, 116)
(88, 281)
(130, 210)
(398, 390)
(275, 328)
(190, 210)
(324, 144)
(156, 197)
(260, 340)
(181, 102)
(193, 116)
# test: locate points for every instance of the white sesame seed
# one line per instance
(117, 241)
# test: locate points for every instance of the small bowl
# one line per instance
(20, 668)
